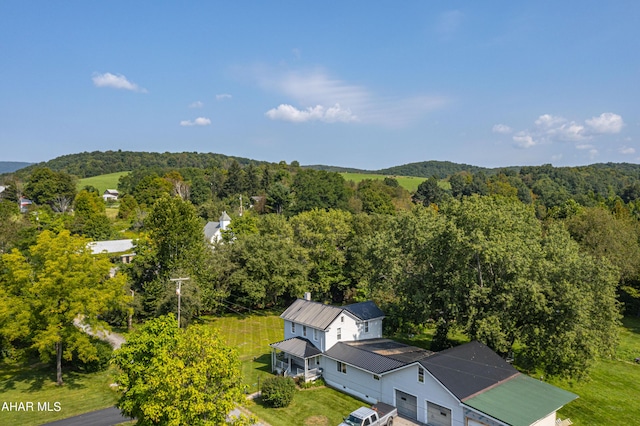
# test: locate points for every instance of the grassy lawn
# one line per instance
(315, 406)
(81, 393)
(102, 182)
(612, 393)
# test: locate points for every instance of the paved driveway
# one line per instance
(107, 417)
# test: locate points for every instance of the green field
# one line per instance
(407, 182)
(101, 182)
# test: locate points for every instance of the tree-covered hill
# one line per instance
(88, 164)
(427, 169)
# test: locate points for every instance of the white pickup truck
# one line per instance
(378, 415)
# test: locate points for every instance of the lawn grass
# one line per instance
(315, 406)
(611, 395)
(102, 182)
(81, 393)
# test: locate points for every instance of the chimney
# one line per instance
(307, 295)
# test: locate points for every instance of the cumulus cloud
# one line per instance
(627, 150)
(114, 81)
(223, 96)
(607, 122)
(290, 113)
(200, 121)
(196, 104)
(550, 128)
(502, 129)
(315, 88)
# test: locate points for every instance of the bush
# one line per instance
(278, 391)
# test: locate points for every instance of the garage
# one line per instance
(437, 415)
(407, 405)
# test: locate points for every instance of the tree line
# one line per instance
(489, 256)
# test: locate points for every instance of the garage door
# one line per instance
(437, 415)
(407, 405)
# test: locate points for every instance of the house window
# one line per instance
(315, 334)
(376, 377)
(342, 367)
(293, 327)
(339, 333)
(420, 374)
(342, 318)
(304, 330)
(366, 326)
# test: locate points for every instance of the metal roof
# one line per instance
(297, 346)
(521, 401)
(313, 314)
(210, 229)
(362, 358)
(114, 246)
(468, 369)
(365, 310)
(392, 349)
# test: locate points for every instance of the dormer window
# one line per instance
(293, 327)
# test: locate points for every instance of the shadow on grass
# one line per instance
(33, 379)
(265, 360)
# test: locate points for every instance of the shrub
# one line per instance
(278, 391)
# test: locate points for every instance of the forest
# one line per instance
(539, 263)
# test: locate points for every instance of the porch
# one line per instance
(296, 357)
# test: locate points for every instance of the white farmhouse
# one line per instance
(466, 385)
(213, 230)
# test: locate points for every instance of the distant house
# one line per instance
(123, 247)
(213, 230)
(24, 204)
(110, 195)
(466, 385)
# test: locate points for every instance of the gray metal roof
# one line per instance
(114, 246)
(365, 310)
(468, 369)
(210, 229)
(313, 314)
(392, 349)
(362, 358)
(297, 346)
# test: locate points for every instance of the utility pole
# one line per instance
(178, 291)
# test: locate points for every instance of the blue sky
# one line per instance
(348, 83)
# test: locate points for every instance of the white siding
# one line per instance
(550, 420)
(299, 332)
(406, 380)
(348, 330)
(356, 382)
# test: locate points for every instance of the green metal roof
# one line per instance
(520, 401)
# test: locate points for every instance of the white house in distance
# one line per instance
(466, 385)
(110, 195)
(213, 230)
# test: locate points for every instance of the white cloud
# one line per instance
(626, 150)
(115, 82)
(200, 121)
(223, 96)
(310, 89)
(607, 122)
(550, 128)
(502, 129)
(196, 104)
(524, 140)
(290, 113)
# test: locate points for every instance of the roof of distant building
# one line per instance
(113, 246)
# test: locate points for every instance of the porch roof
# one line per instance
(297, 346)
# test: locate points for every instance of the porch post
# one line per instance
(306, 368)
(289, 364)
(273, 359)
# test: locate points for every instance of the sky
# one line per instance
(357, 84)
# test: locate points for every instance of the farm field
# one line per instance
(102, 182)
(409, 183)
